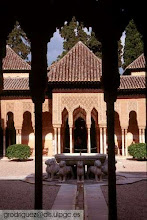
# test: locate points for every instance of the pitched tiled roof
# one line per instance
(16, 83)
(132, 82)
(14, 62)
(78, 65)
(138, 63)
(126, 83)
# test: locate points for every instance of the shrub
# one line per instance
(18, 151)
(138, 150)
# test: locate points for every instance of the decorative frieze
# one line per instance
(27, 106)
(132, 106)
(10, 107)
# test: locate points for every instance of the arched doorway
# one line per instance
(27, 129)
(80, 136)
(133, 126)
(10, 130)
(94, 132)
(93, 136)
(65, 148)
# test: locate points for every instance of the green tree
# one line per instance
(19, 42)
(133, 44)
(73, 31)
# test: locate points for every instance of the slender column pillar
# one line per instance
(123, 143)
(18, 136)
(101, 140)
(89, 142)
(55, 141)
(140, 135)
(4, 142)
(59, 140)
(143, 135)
(105, 144)
(70, 135)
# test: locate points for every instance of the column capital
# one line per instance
(56, 125)
(70, 125)
(124, 128)
(88, 126)
(141, 127)
(102, 126)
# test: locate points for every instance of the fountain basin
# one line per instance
(87, 158)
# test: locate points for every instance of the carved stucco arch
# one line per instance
(64, 116)
(94, 114)
(79, 112)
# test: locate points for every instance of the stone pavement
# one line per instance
(66, 197)
(95, 206)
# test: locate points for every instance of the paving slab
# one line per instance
(66, 198)
(94, 203)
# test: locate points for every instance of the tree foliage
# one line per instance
(19, 42)
(133, 44)
(73, 31)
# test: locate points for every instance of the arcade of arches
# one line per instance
(74, 113)
(74, 122)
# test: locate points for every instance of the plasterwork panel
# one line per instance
(18, 114)
(27, 106)
(71, 101)
(9, 107)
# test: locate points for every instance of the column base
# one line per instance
(4, 158)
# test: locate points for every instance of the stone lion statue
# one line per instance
(96, 170)
(80, 171)
(64, 171)
(51, 169)
(105, 167)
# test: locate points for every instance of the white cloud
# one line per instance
(54, 47)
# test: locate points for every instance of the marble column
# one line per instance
(140, 135)
(70, 135)
(123, 143)
(89, 141)
(18, 136)
(55, 140)
(143, 135)
(59, 140)
(4, 142)
(101, 140)
(105, 142)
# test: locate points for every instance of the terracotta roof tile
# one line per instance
(132, 82)
(138, 63)
(16, 83)
(79, 64)
(14, 62)
(126, 83)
